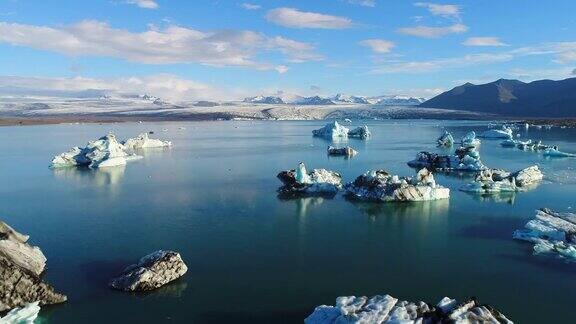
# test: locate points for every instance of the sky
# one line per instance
(226, 49)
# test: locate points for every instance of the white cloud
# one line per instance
(433, 32)
(438, 64)
(378, 45)
(146, 4)
(564, 52)
(251, 6)
(293, 18)
(170, 45)
(483, 41)
(539, 74)
(444, 10)
(281, 69)
(364, 3)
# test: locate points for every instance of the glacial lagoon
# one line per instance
(256, 258)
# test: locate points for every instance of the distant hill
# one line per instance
(543, 98)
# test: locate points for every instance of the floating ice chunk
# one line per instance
(464, 159)
(387, 309)
(142, 141)
(347, 120)
(317, 182)
(104, 152)
(505, 132)
(343, 151)
(498, 181)
(445, 140)
(551, 232)
(554, 152)
(384, 187)
(361, 132)
(470, 140)
(24, 315)
(331, 130)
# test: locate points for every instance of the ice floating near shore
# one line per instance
(342, 151)
(361, 132)
(384, 187)
(387, 309)
(446, 140)
(469, 140)
(552, 233)
(316, 182)
(142, 141)
(499, 181)
(332, 130)
(464, 159)
(554, 152)
(505, 133)
(23, 315)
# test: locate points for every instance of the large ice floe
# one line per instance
(380, 186)
(317, 182)
(554, 152)
(464, 159)
(505, 133)
(152, 271)
(552, 233)
(445, 140)
(469, 140)
(492, 181)
(22, 315)
(387, 309)
(342, 151)
(336, 131)
(142, 141)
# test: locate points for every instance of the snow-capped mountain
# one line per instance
(283, 98)
(314, 100)
(342, 98)
(155, 100)
(396, 100)
(264, 100)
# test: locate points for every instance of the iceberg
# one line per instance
(387, 309)
(23, 315)
(342, 151)
(361, 132)
(380, 186)
(505, 133)
(499, 181)
(554, 152)
(446, 140)
(464, 159)
(101, 153)
(316, 182)
(552, 233)
(142, 141)
(331, 131)
(152, 271)
(528, 145)
(470, 140)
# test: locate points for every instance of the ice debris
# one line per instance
(446, 140)
(552, 233)
(469, 140)
(464, 159)
(505, 133)
(387, 309)
(361, 132)
(498, 181)
(152, 271)
(342, 151)
(142, 141)
(382, 186)
(527, 145)
(316, 182)
(554, 152)
(23, 315)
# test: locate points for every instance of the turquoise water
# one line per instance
(255, 258)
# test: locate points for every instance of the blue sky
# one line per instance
(229, 49)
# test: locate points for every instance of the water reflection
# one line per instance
(504, 197)
(105, 177)
(422, 209)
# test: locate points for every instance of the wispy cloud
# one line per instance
(294, 18)
(146, 4)
(433, 32)
(563, 52)
(380, 46)
(483, 41)
(170, 45)
(439, 64)
(251, 6)
(364, 3)
(444, 10)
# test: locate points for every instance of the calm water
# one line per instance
(255, 258)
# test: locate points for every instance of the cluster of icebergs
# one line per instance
(372, 186)
(334, 130)
(552, 233)
(387, 309)
(492, 181)
(106, 152)
(529, 145)
(464, 159)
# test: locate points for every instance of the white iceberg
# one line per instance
(361, 132)
(445, 140)
(554, 152)
(551, 232)
(342, 151)
(505, 133)
(23, 315)
(142, 141)
(332, 130)
(316, 182)
(387, 309)
(464, 159)
(499, 181)
(383, 187)
(470, 140)
(101, 153)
